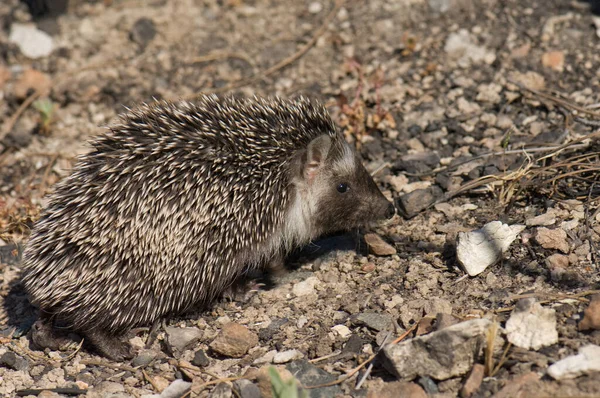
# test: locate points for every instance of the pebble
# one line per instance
(557, 264)
(144, 357)
(512, 388)
(477, 250)
(532, 326)
(473, 381)
(178, 388)
(104, 389)
(548, 218)
(442, 354)
(5, 76)
(142, 32)
(461, 46)
(342, 331)
(246, 389)
(315, 7)
(306, 287)
(287, 356)
(32, 42)
(587, 361)
(310, 375)
(29, 81)
(234, 341)
(552, 239)
(222, 390)
(398, 389)
(378, 322)
(12, 361)
(591, 315)
(554, 60)
(410, 204)
(181, 338)
(200, 359)
(378, 246)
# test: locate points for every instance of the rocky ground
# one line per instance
(479, 118)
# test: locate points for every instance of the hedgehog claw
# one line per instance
(109, 346)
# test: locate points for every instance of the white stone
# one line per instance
(305, 287)
(287, 356)
(477, 250)
(342, 331)
(532, 326)
(315, 7)
(32, 42)
(587, 361)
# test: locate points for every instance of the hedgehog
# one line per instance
(176, 201)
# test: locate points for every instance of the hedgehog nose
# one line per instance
(391, 210)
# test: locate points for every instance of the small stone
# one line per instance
(477, 250)
(287, 356)
(267, 358)
(30, 81)
(182, 338)
(144, 357)
(315, 7)
(5, 76)
(200, 359)
(372, 320)
(443, 320)
(442, 354)
(263, 378)
(234, 341)
(473, 381)
(342, 331)
(378, 246)
(398, 389)
(142, 32)
(532, 326)
(410, 204)
(246, 389)
(222, 390)
(554, 60)
(104, 389)
(529, 79)
(48, 394)
(512, 388)
(306, 287)
(552, 239)
(557, 264)
(548, 218)
(591, 315)
(12, 361)
(461, 47)
(32, 42)
(587, 361)
(310, 375)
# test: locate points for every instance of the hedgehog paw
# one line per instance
(110, 346)
(43, 335)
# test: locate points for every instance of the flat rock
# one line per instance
(104, 389)
(532, 326)
(182, 338)
(552, 239)
(398, 389)
(443, 354)
(512, 388)
(310, 375)
(373, 320)
(410, 204)
(378, 246)
(591, 315)
(587, 361)
(200, 359)
(477, 250)
(548, 218)
(246, 389)
(32, 42)
(234, 341)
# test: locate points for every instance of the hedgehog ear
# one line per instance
(316, 153)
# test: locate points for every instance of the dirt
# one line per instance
(419, 89)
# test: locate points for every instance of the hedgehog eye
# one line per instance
(342, 187)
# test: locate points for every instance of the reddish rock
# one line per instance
(473, 381)
(234, 341)
(552, 239)
(398, 389)
(591, 315)
(378, 246)
(513, 388)
(29, 81)
(554, 60)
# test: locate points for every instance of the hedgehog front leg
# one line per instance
(109, 346)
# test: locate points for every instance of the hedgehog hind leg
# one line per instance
(110, 346)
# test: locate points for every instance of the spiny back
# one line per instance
(167, 206)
